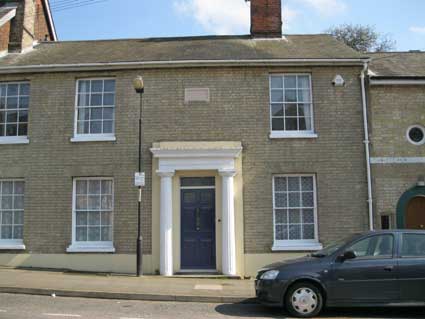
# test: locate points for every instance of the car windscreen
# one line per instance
(332, 248)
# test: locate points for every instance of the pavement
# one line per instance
(47, 307)
(149, 288)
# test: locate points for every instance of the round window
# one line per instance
(416, 135)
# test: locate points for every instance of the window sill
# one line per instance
(297, 247)
(280, 134)
(12, 245)
(88, 248)
(94, 138)
(14, 140)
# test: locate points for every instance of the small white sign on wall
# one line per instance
(139, 179)
(196, 95)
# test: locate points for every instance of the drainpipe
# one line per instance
(367, 145)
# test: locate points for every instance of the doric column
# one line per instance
(228, 223)
(166, 223)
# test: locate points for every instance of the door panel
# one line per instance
(412, 268)
(415, 214)
(198, 229)
(369, 278)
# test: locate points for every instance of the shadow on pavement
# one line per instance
(256, 311)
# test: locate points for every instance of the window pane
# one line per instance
(81, 218)
(19, 188)
(12, 117)
(107, 202)
(94, 187)
(24, 89)
(304, 124)
(294, 232)
(2, 103)
(294, 216)
(308, 231)
(277, 96)
(97, 86)
(303, 82)
(81, 187)
(281, 232)
(277, 82)
(18, 232)
(83, 127)
(278, 124)
(281, 200)
(7, 218)
(81, 201)
(307, 183)
(83, 99)
(374, 247)
(96, 113)
(94, 218)
(106, 187)
(108, 113)
(293, 184)
(7, 188)
(291, 124)
(18, 202)
(6, 232)
(7, 202)
(281, 216)
(96, 127)
(94, 202)
(84, 114)
(12, 103)
(94, 234)
(106, 219)
(96, 100)
(308, 216)
(108, 99)
(277, 109)
(106, 234)
(12, 89)
(280, 184)
(109, 86)
(413, 245)
(303, 95)
(83, 86)
(290, 95)
(81, 234)
(304, 110)
(108, 127)
(18, 218)
(294, 200)
(290, 81)
(308, 199)
(291, 110)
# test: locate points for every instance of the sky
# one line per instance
(403, 20)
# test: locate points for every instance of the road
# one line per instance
(42, 307)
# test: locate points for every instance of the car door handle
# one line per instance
(389, 268)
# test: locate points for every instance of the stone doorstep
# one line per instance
(126, 296)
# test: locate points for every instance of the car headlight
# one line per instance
(270, 275)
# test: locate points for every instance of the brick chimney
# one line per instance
(22, 26)
(266, 18)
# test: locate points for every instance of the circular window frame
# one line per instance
(408, 134)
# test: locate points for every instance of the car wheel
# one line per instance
(304, 300)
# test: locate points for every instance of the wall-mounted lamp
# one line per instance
(338, 81)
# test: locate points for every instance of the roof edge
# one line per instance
(178, 64)
(397, 80)
(49, 15)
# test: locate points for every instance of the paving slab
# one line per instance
(155, 288)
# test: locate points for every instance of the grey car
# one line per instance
(382, 268)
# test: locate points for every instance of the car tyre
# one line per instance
(304, 300)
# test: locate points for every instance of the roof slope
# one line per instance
(398, 64)
(183, 49)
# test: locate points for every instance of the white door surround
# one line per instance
(197, 156)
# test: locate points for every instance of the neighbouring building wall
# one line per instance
(238, 111)
(41, 28)
(4, 36)
(393, 109)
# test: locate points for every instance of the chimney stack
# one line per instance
(266, 18)
(22, 26)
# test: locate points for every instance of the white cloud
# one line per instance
(217, 16)
(224, 16)
(327, 7)
(420, 30)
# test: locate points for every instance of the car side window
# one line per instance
(413, 245)
(380, 246)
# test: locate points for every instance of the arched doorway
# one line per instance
(415, 213)
(411, 209)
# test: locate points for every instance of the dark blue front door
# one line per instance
(198, 229)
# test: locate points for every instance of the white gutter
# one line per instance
(50, 18)
(367, 145)
(173, 64)
(397, 82)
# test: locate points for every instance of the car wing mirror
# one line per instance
(349, 254)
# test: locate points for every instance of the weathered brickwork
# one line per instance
(238, 111)
(393, 109)
(41, 27)
(4, 36)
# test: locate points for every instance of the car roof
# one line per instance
(393, 231)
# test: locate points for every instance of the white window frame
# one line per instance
(23, 139)
(291, 134)
(90, 246)
(108, 137)
(297, 245)
(13, 244)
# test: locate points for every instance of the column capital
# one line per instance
(166, 173)
(227, 172)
